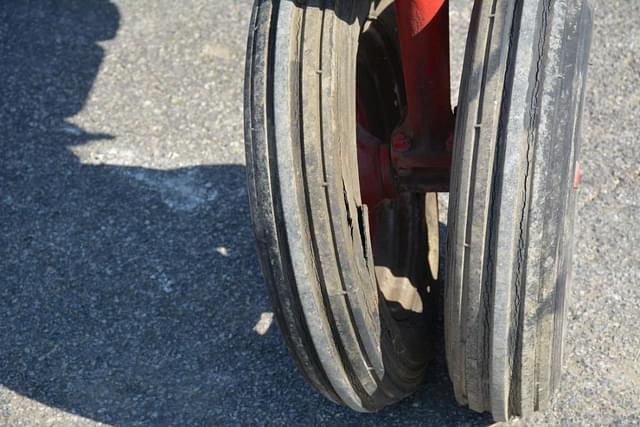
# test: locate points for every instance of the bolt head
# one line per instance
(400, 142)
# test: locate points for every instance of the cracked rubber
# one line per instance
(512, 202)
(311, 227)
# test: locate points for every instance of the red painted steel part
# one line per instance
(423, 29)
(374, 168)
(418, 156)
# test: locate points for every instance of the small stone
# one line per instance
(222, 251)
(263, 325)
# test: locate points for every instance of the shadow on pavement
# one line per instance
(128, 295)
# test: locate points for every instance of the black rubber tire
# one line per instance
(310, 224)
(512, 201)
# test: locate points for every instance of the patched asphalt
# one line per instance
(130, 293)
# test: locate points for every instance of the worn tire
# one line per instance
(512, 201)
(310, 224)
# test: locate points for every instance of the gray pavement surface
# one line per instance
(129, 286)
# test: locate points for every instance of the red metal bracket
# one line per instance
(418, 157)
(421, 146)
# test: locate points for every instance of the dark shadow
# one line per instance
(128, 295)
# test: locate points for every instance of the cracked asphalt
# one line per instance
(130, 293)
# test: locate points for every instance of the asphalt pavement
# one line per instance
(130, 292)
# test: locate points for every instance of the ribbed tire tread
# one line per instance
(512, 201)
(306, 209)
